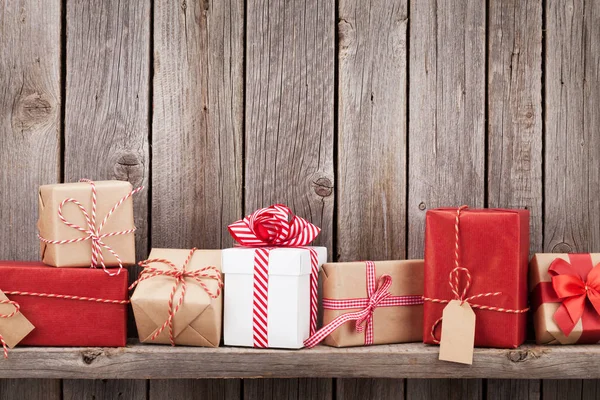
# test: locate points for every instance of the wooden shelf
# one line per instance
(137, 361)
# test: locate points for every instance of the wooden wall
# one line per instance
(361, 115)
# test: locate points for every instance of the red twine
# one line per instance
(93, 231)
(179, 274)
(455, 281)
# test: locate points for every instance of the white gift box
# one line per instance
(288, 308)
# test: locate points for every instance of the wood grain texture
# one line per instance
(455, 389)
(30, 389)
(197, 122)
(514, 95)
(568, 389)
(287, 389)
(410, 360)
(192, 389)
(515, 110)
(197, 134)
(572, 143)
(371, 193)
(355, 389)
(106, 122)
(524, 389)
(289, 108)
(371, 196)
(117, 389)
(30, 110)
(446, 130)
(289, 125)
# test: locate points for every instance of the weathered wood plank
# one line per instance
(289, 124)
(30, 110)
(524, 389)
(446, 129)
(515, 130)
(410, 360)
(201, 389)
(455, 389)
(104, 389)
(197, 135)
(371, 148)
(290, 389)
(289, 108)
(572, 143)
(106, 121)
(350, 389)
(197, 122)
(30, 389)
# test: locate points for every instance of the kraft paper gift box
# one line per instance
(288, 297)
(494, 248)
(565, 298)
(394, 288)
(197, 322)
(79, 254)
(68, 321)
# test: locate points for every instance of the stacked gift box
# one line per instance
(474, 287)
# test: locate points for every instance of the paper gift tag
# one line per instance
(458, 333)
(15, 328)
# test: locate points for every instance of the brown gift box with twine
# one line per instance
(79, 253)
(178, 298)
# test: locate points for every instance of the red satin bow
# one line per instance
(273, 226)
(572, 290)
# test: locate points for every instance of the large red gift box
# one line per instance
(66, 322)
(494, 248)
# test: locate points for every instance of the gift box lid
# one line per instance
(292, 261)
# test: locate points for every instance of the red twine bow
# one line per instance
(179, 274)
(12, 314)
(275, 226)
(572, 289)
(378, 295)
(94, 231)
(455, 283)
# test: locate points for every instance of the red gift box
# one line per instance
(68, 322)
(494, 248)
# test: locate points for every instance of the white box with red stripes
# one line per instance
(270, 295)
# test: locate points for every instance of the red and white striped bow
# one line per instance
(273, 226)
(378, 296)
(94, 231)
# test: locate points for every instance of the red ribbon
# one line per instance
(378, 295)
(275, 226)
(573, 283)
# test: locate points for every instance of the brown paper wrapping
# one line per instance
(546, 330)
(80, 254)
(399, 324)
(198, 321)
(15, 328)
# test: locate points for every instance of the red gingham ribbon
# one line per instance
(455, 282)
(179, 274)
(275, 226)
(378, 295)
(93, 231)
(12, 314)
(51, 296)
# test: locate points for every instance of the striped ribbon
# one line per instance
(179, 274)
(455, 283)
(50, 296)
(378, 295)
(94, 231)
(266, 228)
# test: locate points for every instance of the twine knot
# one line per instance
(10, 315)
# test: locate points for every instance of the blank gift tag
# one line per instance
(15, 328)
(458, 333)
